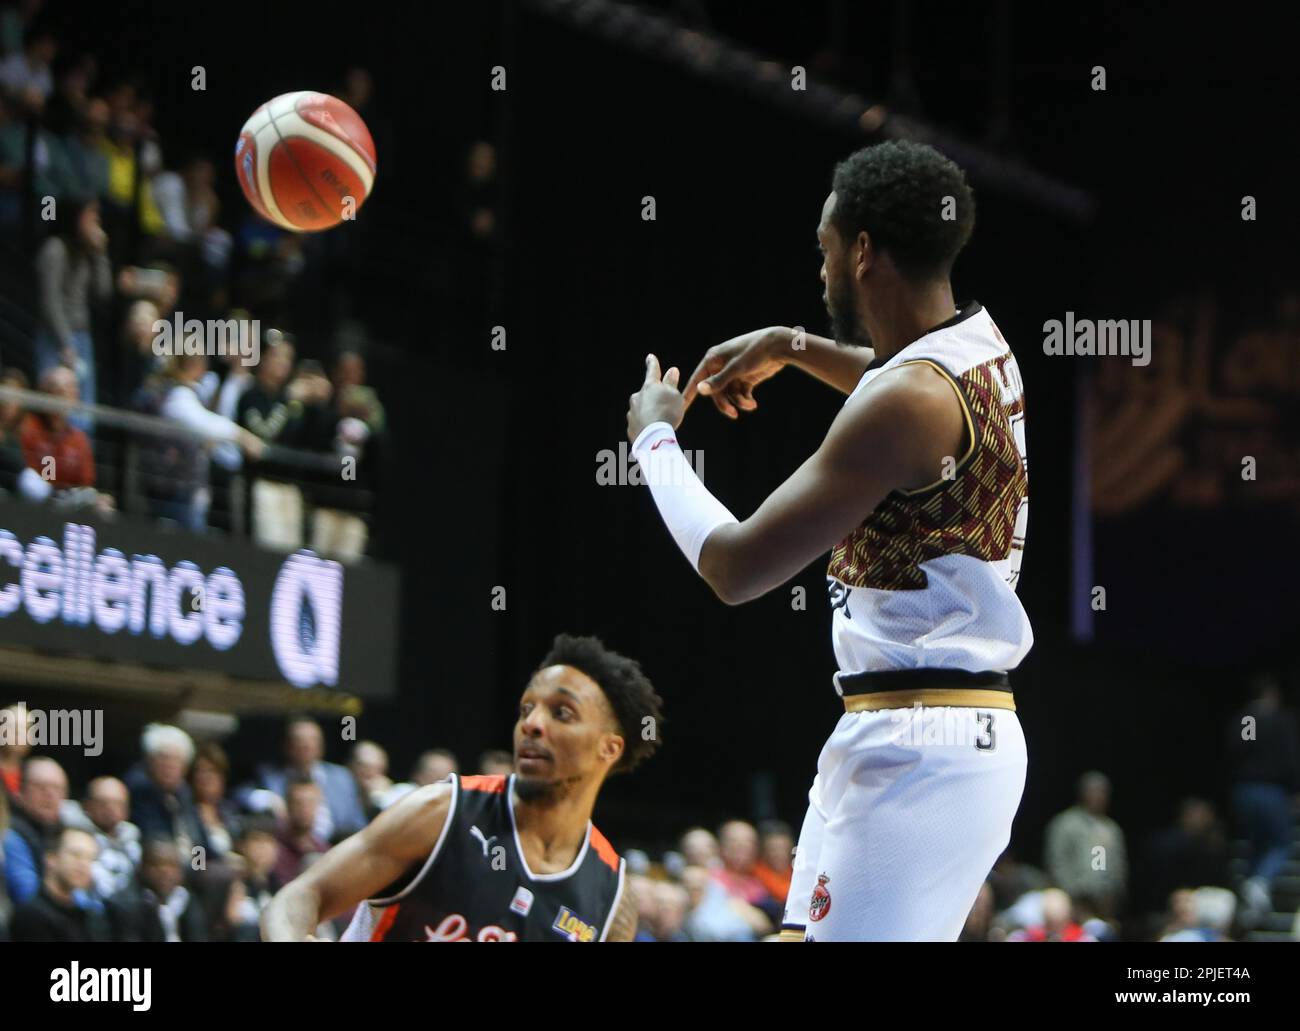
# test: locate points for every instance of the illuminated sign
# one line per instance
(127, 591)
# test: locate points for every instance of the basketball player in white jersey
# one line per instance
(919, 491)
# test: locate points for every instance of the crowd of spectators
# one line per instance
(106, 232)
(173, 851)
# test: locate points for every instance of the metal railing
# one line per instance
(120, 437)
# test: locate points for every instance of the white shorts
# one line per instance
(908, 812)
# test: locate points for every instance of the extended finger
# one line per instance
(708, 365)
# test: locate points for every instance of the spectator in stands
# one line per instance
(269, 260)
(218, 814)
(227, 909)
(717, 916)
(1085, 849)
(271, 409)
(72, 270)
(1012, 880)
(31, 159)
(232, 915)
(700, 848)
(159, 281)
(137, 362)
(103, 813)
(34, 826)
(342, 813)
(57, 911)
(369, 766)
(71, 91)
(14, 748)
(131, 151)
(259, 848)
(1058, 925)
(236, 377)
(776, 862)
(13, 160)
(158, 907)
(432, 766)
(640, 887)
(162, 804)
(303, 802)
(358, 427)
(496, 763)
(30, 70)
(738, 848)
(175, 473)
(1191, 854)
(671, 906)
(15, 21)
(187, 200)
(1264, 757)
(1202, 915)
(59, 452)
(15, 477)
(84, 149)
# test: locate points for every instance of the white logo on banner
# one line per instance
(307, 586)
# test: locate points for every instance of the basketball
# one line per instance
(305, 161)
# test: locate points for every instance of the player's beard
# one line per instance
(534, 789)
(842, 306)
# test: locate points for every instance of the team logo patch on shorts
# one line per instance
(821, 899)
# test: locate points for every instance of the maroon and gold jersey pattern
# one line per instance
(928, 579)
(973, 512)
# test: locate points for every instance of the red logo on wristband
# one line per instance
(664, 440)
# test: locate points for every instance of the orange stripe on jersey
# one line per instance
(385, 922)
(604, 849)
(493, 785)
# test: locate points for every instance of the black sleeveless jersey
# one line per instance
(476, 886)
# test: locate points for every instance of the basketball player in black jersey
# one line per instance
(500, 858)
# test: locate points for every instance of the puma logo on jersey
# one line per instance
(485, 842)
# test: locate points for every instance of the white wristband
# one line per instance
(689, 511)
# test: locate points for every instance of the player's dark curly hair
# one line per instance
(630, 693)
(896, 192)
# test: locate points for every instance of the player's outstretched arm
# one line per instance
(894, 434)
(730, 371)
(359, 867)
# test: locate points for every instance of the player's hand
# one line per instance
(657, 401)
(731, 370)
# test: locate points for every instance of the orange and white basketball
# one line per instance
(305, 161)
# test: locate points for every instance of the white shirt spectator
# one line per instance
(18, 75)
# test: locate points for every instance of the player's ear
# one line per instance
(611, 749)
(864, 254)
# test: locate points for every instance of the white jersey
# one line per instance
(928, 581)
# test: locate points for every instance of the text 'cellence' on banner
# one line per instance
(125, 590)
